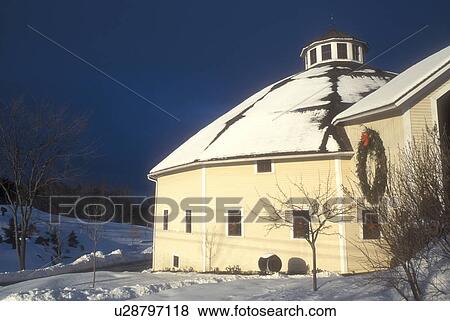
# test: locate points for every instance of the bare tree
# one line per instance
(37, 147)
(97, 214)
(211, 246)
(414, 219)
(94, 234)
(323, 210)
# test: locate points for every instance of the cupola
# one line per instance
(334, 46)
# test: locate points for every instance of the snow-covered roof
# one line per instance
(392, 93)
(292, 115)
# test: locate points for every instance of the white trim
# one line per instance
(435, 112)
(318, 56)
(330, 155)
(155, 211)
(338, 173)
(359, 221)
(364, 114)
(361, 54)
(406, 118)
(350, 51)
(334, 51)
(422, 85)
(204, 217)
(242, 221)
(343, 259)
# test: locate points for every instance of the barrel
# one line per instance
(269, 263)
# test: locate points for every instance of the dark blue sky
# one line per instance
(197, 59)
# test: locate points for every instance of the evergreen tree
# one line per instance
(56, 243)
(42, 241)
(72, 240)
(10, 234)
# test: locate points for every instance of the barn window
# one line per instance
(326, 52)
(355, 50)
(234, 223)
(312, 56)
(188, 221)
(342, 51)
(300, 224)
(264, 166)
(166, 220)
(371, 226)
(176, 261)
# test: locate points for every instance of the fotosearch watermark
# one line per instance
(104, 209)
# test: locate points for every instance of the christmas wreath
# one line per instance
(372, 146)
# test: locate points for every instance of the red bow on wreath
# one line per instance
(365, 139)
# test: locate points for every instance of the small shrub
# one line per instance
(169, 269)
(233, 269)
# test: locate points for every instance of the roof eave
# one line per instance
(366, 114)
(400, 102)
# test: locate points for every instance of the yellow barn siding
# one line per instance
(258, 239)
(421, 116)
(243, 182)
(175, 241)
(391, 131)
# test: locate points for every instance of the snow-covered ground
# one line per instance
(196, 286)
(128, 241)
(82, 264)
(110, 285)
(58, 282)
(283, 288)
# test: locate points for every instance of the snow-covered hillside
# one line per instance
(129, 239)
